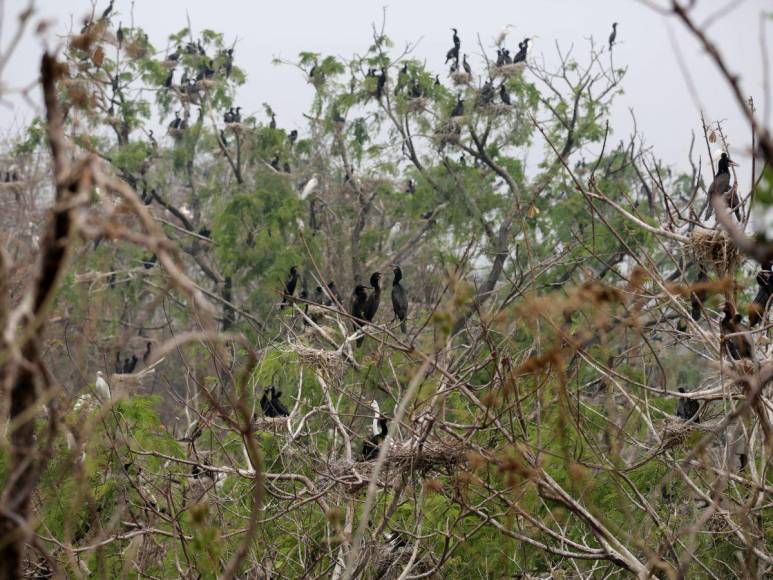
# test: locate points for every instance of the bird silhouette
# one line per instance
(359, 303)
(721, 186)
(737, 345)
(399, 299)
(289, 286)
(374, 299)
(504, 95)
(687, 408)
(523, 51)
(613, 36)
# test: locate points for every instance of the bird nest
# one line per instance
(331, 363)
(497, 109)
(176, 133)
(273, 424)
(461, 78)
(417, 105)
(508, 70)
(169, 64)
(387, 561)
(236, 127)
(675, 431)
(127, 383)
(713, 246)
(402, 458)
(206, 84)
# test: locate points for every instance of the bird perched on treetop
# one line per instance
(721, 186)
(613, 36)
(523, 51)
(736, 343)
(453, 53)
(466, 66)
(399, 299)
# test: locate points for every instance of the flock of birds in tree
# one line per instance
(364, 306)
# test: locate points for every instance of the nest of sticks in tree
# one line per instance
(417, 105)
(206, 84)
(675, 431)
(461, 78)
(508, 70)
(387, 561)
(403, 457)
(237, 127)
(331, 363)
(715, 247)
(125, 384)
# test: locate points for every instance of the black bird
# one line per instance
(399, 299)
(359, 303)
(228, 116)
(454, 67)
(146, 354)
(337, 118)
(380, 84)
(504, 95)
(411, 186)
(119, 35)
(459, 108)
(738, 346)
(371, 445)
(275, 162)
(272, 406)
(487, 93)
(520, 56)
(466, 66)
(500, 57)
(272, 124)
(506, 58)
(437, 80)
(374, 299)
(687, 408)
(205, 232)
(319, 296)
(293, 137)
(402, 78)
(721, 186)
(237, 115)
(457, 42)
(175, 124)
(699, 296)
(229, 62)
(758, 307)
(129, 364)
(169, 79)
(108, 10)
(613, 36)
(453, 53)
(290, 284)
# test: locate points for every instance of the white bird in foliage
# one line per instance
(103, 389)
(310, 187)
(502, 36)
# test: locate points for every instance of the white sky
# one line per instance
(655, 87)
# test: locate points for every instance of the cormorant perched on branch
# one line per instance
(504, 95)
(699, 296)
(272, 123)
(273, 407)
(466, 66)
(399, 299)
(613, 36)
(371, 445)
(359, 302)
(459, 108)
(380, 84)
(371, 307)
(290, 284)
(721, 186)
(487, 94)
(293, 137)
(520, 56)
(175, 124)
(453, 53)
(169, 79)
(758, 307)
(687, 408)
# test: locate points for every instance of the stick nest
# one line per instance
(715, 247)
(508, 71)
(461, 78)
(417, 105)
(331, 363)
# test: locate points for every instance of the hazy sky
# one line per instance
(655, 87)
